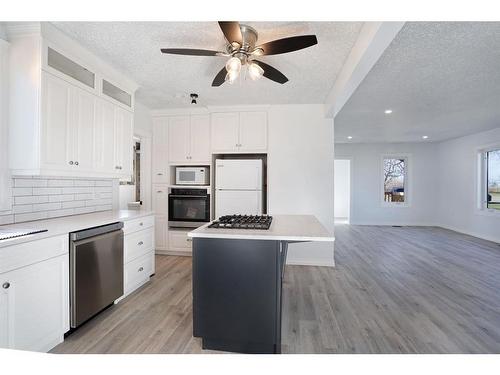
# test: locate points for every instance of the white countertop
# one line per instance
(301, 228)
(67, 224)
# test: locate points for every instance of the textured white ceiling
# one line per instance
(167, 80)
(440, 79)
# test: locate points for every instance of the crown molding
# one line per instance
(20, 29)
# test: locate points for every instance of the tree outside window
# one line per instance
(394, 180)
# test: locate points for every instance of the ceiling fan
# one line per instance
(242, 48)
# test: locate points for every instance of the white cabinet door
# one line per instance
(160, 147)
(160, 232)
(238, 202)
(224, 131)
(57, 142)
(124, 133)
(160, 199)
(34, 309)
(178, 139)
(83, 129)
(199, 150)
(104, 137)
(253, 131)
(5, 180)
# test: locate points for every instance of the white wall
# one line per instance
(458, 199)
(300, 172)
(342, 189)
(367, 208)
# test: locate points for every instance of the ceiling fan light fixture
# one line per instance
(233, 65)
(232, 76)
(255, 71)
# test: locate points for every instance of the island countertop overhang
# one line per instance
(290, 228)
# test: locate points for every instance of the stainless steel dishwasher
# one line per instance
(96, 270)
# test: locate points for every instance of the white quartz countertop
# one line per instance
(67, 224)
(291, 228)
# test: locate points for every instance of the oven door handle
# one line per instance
(187, 196)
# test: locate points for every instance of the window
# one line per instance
(491, 179)
(135, 180)
(395, 172)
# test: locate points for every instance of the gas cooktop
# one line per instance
(243, 222)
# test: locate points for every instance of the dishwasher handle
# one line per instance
(95, 231)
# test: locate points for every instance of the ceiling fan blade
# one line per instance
(290, 44)
(191, 52)
(272, 73)
(220, 78)
(231, 31)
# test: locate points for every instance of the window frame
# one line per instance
(407, 181)
(482, 181)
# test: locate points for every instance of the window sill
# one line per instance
(395, 205)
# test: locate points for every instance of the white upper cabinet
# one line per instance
(253, 131)
(5, 180)
(189, 139)
(225, 131)
(56, 119)
(160, 150)
(239, 132)
(199, 150)
(73, 116)
(124, 131)
(104, 137)
(178, 139)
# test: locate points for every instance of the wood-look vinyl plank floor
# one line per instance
(394, 290)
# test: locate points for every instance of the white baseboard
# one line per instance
(469, 233)
(170, 252)
(311, 262)
(400, 224)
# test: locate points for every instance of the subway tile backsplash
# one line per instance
(37, 198)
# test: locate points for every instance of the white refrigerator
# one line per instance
(238, 187)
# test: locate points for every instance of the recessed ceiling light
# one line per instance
(349, 137)
(388, 111)
(425, 136)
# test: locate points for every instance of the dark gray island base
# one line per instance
(237, 280)
(237, 294)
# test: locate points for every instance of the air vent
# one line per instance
(116, 93)
(64, 65)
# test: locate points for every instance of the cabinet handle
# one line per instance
(6, 285)
(140, 269)
(140, 243)
(76, 163)
(159, 191)
(189, 240)
(117, 167)
(141, 224)
(159, 174)
(71, 162)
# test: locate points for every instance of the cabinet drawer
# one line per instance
(179, 241)
(134, 225)
(138, 271)
(138, 243)
(24, 254)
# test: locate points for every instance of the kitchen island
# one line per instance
(237, 282)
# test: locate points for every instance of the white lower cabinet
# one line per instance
(139, 253)
(34, 299)
(179, 242)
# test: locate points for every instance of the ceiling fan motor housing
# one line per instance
(249, 41)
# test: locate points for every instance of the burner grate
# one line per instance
(243, 222)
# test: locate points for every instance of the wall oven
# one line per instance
(188, 208)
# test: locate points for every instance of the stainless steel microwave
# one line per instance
(192, 176)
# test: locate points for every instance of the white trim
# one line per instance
(407, 181)
(351, 180)
(469, 233)
(309, 262)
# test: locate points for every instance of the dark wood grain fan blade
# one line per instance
(290, 44)
(220, 78)
(190, 52)
(231, 31)
(272, 73)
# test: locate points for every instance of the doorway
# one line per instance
(342, 191)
